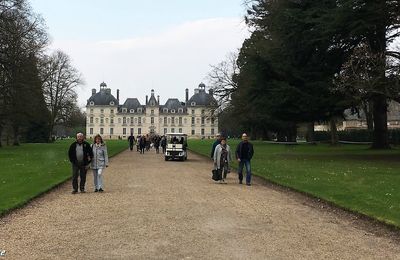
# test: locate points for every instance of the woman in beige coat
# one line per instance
(222, 159)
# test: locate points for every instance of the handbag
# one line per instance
(216, 176)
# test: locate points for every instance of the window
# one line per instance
(101, 120)
(152, 120)
(112, 111)
(202, 131)
(193, 132)
(165, 110)
(180, 120)
(173, 120)
(203, 111)
(112, 121)
(101, 131)
(132, 111)
(91, 131)
(165, 130)
(173, 111)
(111, 131)
(124, 120)
(165, 120)
(180, 110)
(91, 110)
(135, 120)
(172, 130)
(198, 120)
(102, 111)
(192, 111)
(124, 110)
(139, 120)
(212, 131)
(106, 120)
(91, 103)
(152, 112)
(193, 121)
(212, 120)
(139, 110)
(180, 130)
(111, 103)
(91, 120)
(139, 131)
(131, 120)
(124, 131)
(193, 104)
(203, 120)
(132, 131)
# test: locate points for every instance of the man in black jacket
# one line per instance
(244, 153)
(80, 154)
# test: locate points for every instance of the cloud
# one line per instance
(169, 61)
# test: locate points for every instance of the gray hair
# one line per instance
(79, 134)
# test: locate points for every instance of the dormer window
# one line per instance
(139, 110)
(124, 110)
(91, 103)
(180, 110)
(193, 104)
(152, 103)
(112, 103)
(165, 110)
(173, 111)
(132, 111)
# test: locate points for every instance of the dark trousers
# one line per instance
(244, 163)
(78, 171)
(131, 146)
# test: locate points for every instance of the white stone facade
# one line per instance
(105, 116)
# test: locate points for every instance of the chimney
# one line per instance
(118, 95)
(147, 99)
(158, 99)
(187, 95)
(93, 91)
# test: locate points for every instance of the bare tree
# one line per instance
(60, 79)
(223, 78)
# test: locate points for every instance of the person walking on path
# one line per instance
(157, 141)
(164, 144)
(131, 140)
(142, 144)
(244, 153)
(80, 155)
(222, 159)
(99, 162)
(217, 142)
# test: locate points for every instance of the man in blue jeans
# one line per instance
(244, 153)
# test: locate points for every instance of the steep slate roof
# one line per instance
(173, 103)
(132, 103)
(202, 98)
(103, 98)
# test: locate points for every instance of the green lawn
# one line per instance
(31, 169)
(351, 176)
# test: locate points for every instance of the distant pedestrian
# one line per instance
(163, 144)
(131, 140)
(142, 144)
(216, 142)
(99, 162)
(80, 155)
(222, 159)
(157, 141)
(244, 153)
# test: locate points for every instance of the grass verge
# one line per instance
(30, 170)
(353, 177)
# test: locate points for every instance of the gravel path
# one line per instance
(152, 209)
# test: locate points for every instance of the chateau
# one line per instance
(112, 120)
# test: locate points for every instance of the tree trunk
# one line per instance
(380, 134)
(368, 107)
(310, 132)
(16, 134)
(334, 134)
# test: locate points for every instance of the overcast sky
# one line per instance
(136, 46)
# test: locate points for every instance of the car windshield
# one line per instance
(176, 139)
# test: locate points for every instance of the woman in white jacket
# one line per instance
(222, 159)
(99, 162)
